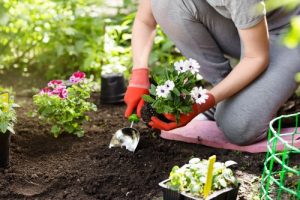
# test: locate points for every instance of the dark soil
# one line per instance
(68, 167)
(147, 112)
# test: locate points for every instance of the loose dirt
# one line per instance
(68, 167)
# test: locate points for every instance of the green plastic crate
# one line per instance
(281, 178)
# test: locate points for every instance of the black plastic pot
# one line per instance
(112, 88)
(4, 149)
(225, 194)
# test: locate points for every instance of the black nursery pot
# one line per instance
(225, 194)
(112, 88)
(4, 149)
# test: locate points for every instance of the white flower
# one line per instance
(162, 91)
(180, 66)
(113, 69)
(199, 95)
(192, 65)
(109, 43)
(169, 85)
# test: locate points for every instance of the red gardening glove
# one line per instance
(184, 119)
(138, 86)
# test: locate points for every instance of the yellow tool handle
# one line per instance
(4, 98)
(208, 184)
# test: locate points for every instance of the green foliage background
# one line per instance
(53, 38)
(292, 39)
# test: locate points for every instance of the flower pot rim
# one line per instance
(110, 75)
(189, 196)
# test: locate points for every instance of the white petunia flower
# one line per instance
(169, 85)
(113, 69)
(192, 65)
(162, 91)
(180, 66)
(199, 95)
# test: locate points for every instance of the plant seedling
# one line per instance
(201, 179)
(4, 98)
(7, 113)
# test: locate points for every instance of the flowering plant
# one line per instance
(191, 178)
(63, 104)
(8, 115)
(176, 90)
(113, 69)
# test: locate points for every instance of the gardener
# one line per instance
(247, 96)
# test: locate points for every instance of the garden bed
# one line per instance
(68, 167)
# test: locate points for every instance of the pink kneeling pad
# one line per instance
(207, 133)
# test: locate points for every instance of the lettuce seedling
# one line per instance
(191, 178)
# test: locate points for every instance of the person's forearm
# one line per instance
(142, 40)
(242, 75)
(256, 59)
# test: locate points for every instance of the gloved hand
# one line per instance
(138, 86)
(184, 119)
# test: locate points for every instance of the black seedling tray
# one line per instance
(225, 194)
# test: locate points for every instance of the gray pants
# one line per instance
(203, 34)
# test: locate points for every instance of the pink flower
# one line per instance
(63, 93)
(55, 83)
(77, 77)
(46, 90)
(58, 89)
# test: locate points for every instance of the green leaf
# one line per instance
(10, 129)
(148, 98)
(55, 130)
(79, 133)
(184, 91)
(186, 109)
(176, 92)
(222, 182)
(297, 77)
(152, 90)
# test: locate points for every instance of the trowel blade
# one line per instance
(125, 137)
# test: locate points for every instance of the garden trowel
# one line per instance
(128, 136)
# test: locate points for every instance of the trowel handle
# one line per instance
(131, 125)
(133, 118)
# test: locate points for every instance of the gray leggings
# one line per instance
(203, 34)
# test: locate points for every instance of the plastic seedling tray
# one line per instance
(224, 194)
